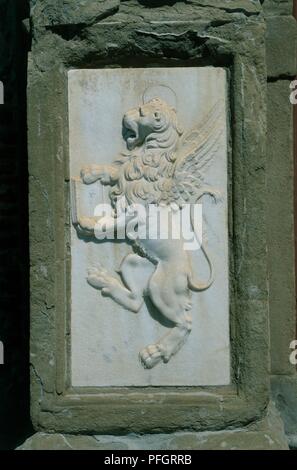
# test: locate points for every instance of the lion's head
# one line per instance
(154, 124)
(152, 136)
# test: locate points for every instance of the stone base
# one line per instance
(267, 434)
(292, 440)
(284, 394)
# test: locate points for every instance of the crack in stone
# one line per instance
(242, 10)
(285, 77)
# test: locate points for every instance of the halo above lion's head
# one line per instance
(149, 123)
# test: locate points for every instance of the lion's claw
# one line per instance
(151, 356)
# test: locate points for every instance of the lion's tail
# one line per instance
(200, 287)
(196, 286)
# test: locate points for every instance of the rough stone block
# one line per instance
(280, 222)
(281, 46)
(278, 7)
(53, 12)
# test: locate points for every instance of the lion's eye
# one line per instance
(141, 112)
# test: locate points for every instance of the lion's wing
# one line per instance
(197, 151)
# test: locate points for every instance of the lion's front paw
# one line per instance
(101, 279)
(87, 223)
(88, 175)
(151, 356)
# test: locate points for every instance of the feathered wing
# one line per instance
(197, 151)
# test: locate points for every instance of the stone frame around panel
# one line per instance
(54, 406)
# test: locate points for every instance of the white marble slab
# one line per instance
(105, 338)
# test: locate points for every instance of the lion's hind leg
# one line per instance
(170, 294)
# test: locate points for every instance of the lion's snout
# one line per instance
(130, 128)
